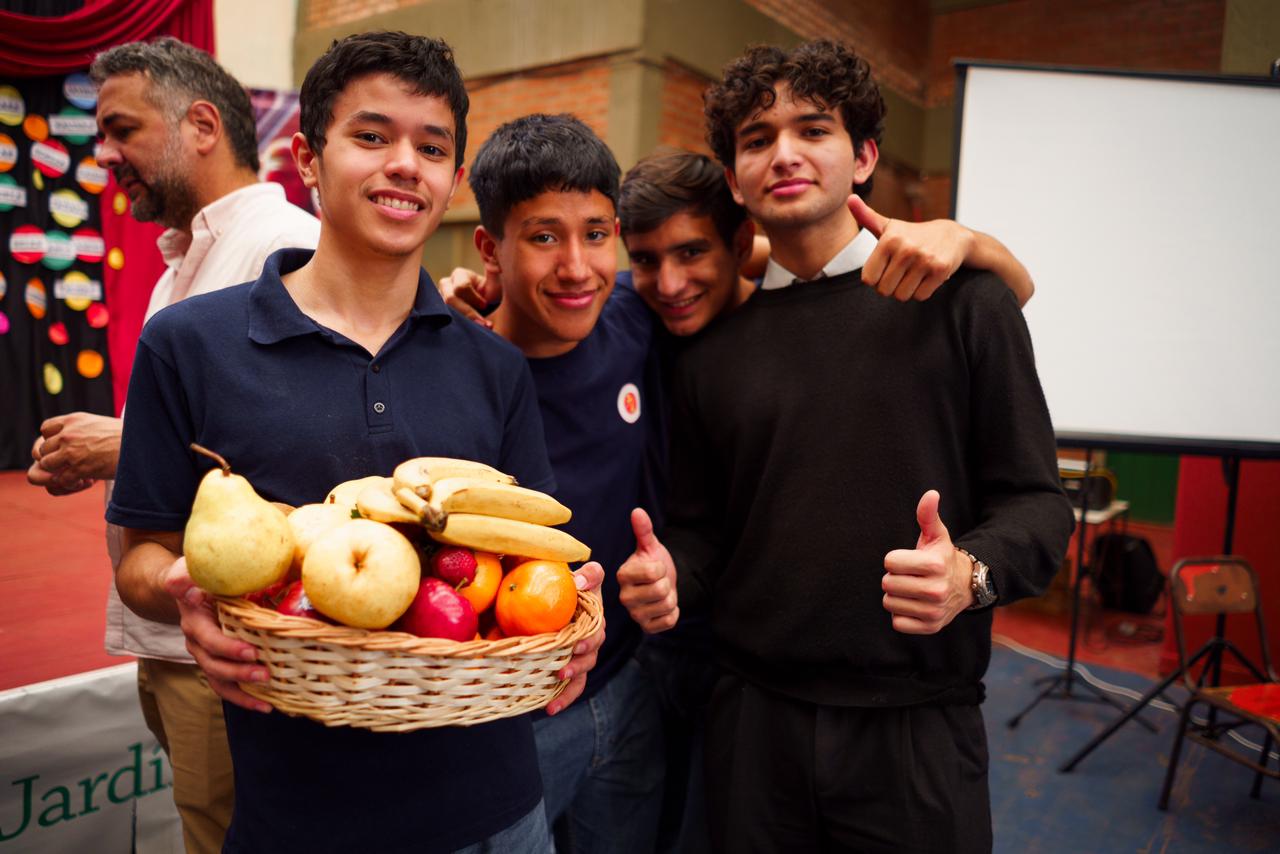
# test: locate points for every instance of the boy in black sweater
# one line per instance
(806, 426)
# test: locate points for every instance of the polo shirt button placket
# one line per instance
(377, 389)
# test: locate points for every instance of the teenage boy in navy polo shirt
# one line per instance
(330, 366)
(547, 187)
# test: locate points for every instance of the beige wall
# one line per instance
(254, 40)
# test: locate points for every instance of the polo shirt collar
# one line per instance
(274, 316)
(854, 254)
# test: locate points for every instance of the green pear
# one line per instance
(236, 542)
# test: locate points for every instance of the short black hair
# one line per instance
(536, 153)
(674, 181)
(426, 65)
(180, 74)
(826, 72)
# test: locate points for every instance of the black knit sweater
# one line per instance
(805, 427)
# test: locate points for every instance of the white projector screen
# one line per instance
(1145, 207)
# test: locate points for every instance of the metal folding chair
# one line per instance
(1219, 586)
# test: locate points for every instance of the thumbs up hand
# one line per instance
(912, 259)
(925, 587)
(648, 579)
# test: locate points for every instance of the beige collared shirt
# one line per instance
(854, 254)
(230, 241)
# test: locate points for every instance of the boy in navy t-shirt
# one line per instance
(547, 188)
(333, 365)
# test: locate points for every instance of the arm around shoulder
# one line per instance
(987, 253)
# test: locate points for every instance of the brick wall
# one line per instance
(1176, 35)
(892, 36)
(1181, 35)
(329, 13)
(681, 124)
(581, 88)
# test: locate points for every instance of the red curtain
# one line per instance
(33, 46)
(40, 46)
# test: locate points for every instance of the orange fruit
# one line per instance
(537, 596)
(484, 587)
(494, 633)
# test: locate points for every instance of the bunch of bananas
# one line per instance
(464, 503)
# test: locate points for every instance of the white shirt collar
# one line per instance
(850, 258)
(211, 220)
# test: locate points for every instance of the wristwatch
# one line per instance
(984, 591)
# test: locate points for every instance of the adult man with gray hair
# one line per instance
(178, 135)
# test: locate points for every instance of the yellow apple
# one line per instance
(309, 523)
(363, 574)
(345, 494)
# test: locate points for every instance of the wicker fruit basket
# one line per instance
(395, 682)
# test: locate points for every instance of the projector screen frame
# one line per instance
(1224, 447)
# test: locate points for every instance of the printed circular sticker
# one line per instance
(97, 316)
(51, 158)
(75, 126)
(68, 209)
(37, 301)
(80, 91)
(119, 203)
(4, 323)
(12, 107)
(115, 258)
(629, 403)
(77, 290)
(11, 195)
(88, 245)
(26, 244)
(4, 286)
(52, 379)
(89, 364)
(8, 152)
(59, 254)
(58, 334)
(90, 176)
(37, 180)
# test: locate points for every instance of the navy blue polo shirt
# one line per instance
(600, 412)
(297, 408)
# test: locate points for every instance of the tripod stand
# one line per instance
(1212, 650)
(1061, 686)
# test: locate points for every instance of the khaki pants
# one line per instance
(186, 718)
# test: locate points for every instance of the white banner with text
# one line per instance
(80, 771)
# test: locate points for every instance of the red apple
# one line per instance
(438, 611)
(454, 565)
(296, 604)
(510, 562)
(269, 596)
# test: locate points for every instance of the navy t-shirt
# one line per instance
(599, 405)
(297, 408)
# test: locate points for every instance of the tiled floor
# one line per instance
(54, 577)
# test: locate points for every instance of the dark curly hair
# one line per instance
(424, 64)
(674, 181)
(823, 71)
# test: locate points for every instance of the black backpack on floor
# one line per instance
(1127, 575)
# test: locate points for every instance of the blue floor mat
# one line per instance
(1108, 803)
